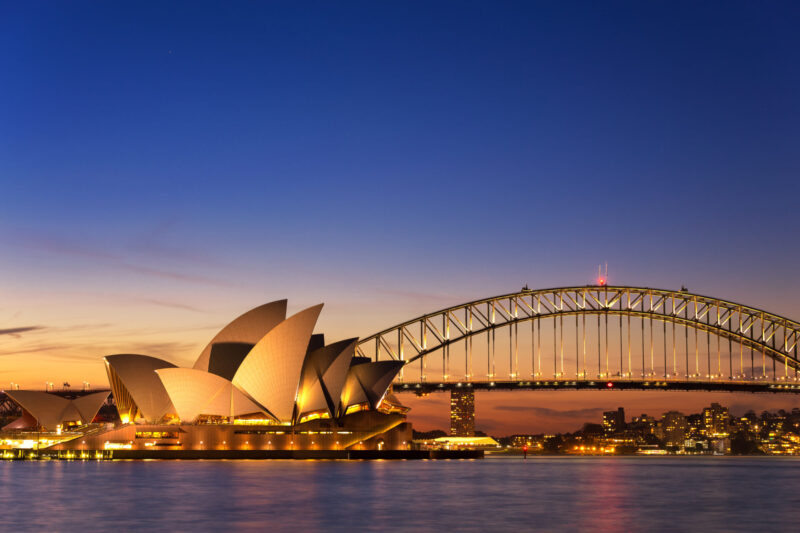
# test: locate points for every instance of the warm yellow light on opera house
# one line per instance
(264, 381)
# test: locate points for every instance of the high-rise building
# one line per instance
(614, 421)
(642, 425)
(696, 428)
(462, 413)
(674, 428)
(716, 421)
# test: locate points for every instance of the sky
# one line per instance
(166, 166)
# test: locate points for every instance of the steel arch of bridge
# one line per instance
(772, 335)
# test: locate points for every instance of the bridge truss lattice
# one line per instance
(595, 332)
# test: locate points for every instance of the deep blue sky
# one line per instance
(452, 128)
(167, 157)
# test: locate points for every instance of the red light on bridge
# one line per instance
(602, 277)
(609, 385)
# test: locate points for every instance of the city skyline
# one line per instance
(388, 165)
(710, 431)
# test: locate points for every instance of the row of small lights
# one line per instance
(592, 383)
(48, 385)
(628, 375)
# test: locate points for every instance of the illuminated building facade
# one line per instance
(716, 421)
(643, 425)
(462, 413)
(674, 428)
(614, 421)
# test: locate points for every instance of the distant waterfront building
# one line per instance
(462, 413)
(696, 446)
(645, 424)
(614, 421)
(518, 441)
(642, 429)
(458, 443)
(716, 420)
(674, 428)
(720, 446)
(696, 427)
(746, 425)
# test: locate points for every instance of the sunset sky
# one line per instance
(164, 168)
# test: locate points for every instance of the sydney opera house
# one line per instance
(264, 382)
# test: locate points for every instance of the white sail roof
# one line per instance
(368, 382)
(133, 378)
(194, 393)
(249, 328)
(270, 373)
(50, 410)
(324, 376)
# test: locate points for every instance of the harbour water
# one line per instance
(494, 494)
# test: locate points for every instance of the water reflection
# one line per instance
(578, 494)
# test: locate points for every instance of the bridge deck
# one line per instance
(789, 386)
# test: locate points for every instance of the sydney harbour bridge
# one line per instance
(594, 337)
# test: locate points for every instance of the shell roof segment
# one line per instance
(270, 374)
(324, 374)
(133, 379)
(194, 393)
(368, 382)
(89, 404)
(226, 357)
(249, 328)
(50, 410)
(46, 408)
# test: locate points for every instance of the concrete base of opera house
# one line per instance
(358, 436)
(353, 455)
(297, 454)
(362, 431)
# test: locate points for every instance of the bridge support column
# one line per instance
(462, 412)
